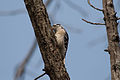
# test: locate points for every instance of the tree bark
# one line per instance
(113, 38)
(54, 66)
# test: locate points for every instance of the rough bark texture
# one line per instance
(54, 66)
(113, 38)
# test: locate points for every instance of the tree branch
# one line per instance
(113, 37)
(54, 66)
(118, 18)
(21, 68)
(94, 6)
(93, 23)
(40, 76)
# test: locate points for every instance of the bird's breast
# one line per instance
(60, 39)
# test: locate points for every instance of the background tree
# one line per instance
(111, 24)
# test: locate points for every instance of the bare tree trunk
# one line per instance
(113, 38)
(54, 67)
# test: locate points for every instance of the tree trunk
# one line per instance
(54, 66)
(113, 38)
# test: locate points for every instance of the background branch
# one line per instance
(21, 69)
(94, 6)
(93, 23)
(40, 76)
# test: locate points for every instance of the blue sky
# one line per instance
(85, 60)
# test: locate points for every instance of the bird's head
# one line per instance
(57, 27)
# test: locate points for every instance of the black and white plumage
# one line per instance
(62, 39)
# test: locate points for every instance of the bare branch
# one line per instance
(20, 70)
(113, 37)
(93, 23)
(40, 76)
(118, 18)
(94, 6)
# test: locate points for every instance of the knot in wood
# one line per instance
(115, 38)
(116, 67)
(42, 8)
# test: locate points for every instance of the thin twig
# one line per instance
(93, 23)
(20, 70)
(40, 76)
(94, 6)
(106, 50)
(118, 18)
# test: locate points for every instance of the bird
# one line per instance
(62, 38)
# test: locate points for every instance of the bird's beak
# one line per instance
(52, 28)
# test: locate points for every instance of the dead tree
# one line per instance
(54, 67)
(113, 38)
(112, 34)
